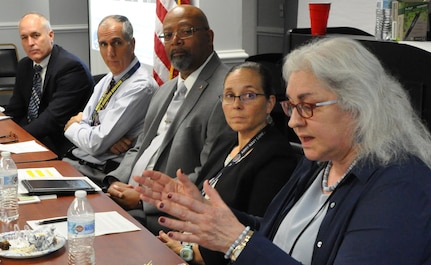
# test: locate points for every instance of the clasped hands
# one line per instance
(208, 222)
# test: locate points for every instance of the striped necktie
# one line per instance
(36, 94)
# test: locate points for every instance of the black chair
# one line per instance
(274, 62)
(410, 65)
(8, 66)
(298, 36)
(97, 78)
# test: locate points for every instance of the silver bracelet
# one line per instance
(236, 243)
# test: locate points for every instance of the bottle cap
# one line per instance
(80, 193)
(5, 154)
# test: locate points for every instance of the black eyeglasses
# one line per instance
(305, 110)
(245, 98)
(8, 138)
(183, 33)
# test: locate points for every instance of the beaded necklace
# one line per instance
(326, 174)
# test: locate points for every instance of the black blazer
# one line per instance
(250, 185)
(67, 87)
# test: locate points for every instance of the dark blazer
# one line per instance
(250, 185)
(67, 87)
(377, 215)
(189, 138)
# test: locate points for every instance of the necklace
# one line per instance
(326, 174)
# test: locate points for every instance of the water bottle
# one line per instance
(80, 230)
(8, 189)
(384, 20)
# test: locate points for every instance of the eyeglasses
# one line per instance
(8, 138)
(245, 98)
(305, 110)
(183, 33)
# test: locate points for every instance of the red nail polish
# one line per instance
(169, 196)
(161, 205)
(162, 220)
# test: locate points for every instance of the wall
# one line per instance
(69, 21)
(350, 13)
(242, 27)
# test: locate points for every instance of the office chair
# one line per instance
(298, 36)
(8, 66)
(274, 62)
(409, 65)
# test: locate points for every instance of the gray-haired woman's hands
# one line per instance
(209, 223)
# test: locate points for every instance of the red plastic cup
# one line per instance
(319, 13)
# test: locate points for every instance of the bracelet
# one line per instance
(236, 243)
(238, 249)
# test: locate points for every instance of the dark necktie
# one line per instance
(103, 101)
(36, 94)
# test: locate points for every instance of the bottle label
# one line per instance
(81, 228)
(9, 179)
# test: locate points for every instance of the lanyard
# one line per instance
(108, 94)
(239, 156)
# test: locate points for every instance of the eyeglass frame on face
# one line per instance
(183, 33)
(245, 98)
(288, 106)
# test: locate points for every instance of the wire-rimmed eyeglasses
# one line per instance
(182, 33)
(244, 98)
(8, 138)
(305, 110)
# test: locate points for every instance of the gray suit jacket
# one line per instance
(189, 139)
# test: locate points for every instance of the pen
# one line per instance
(51, 221)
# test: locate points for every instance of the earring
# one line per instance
(269, 119)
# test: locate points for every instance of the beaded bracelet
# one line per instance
(236, 243)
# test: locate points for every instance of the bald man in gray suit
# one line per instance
(168, 144)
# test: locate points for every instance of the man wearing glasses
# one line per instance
(184, 116)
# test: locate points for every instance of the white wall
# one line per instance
(359, 14)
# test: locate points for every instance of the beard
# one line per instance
(183, 62)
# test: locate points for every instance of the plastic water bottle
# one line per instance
(8, 189)
(384, 20)
(80, 230)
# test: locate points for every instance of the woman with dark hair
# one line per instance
(249, 165)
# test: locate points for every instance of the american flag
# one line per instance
(162, 70)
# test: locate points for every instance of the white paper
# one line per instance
(23, 147)
(106, 223)
(4, 117)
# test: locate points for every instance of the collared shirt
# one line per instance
(123, 116)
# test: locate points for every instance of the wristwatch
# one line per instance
(186, 253)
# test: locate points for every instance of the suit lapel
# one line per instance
(192, 99)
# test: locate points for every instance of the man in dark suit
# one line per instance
(66, 84)
(167, 144)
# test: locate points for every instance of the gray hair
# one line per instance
(127, 26)
(387, 129)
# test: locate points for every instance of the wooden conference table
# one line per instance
(130, 248)
(8, 127)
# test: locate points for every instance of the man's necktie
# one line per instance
(103, 101)
(36, 94)
(176, 103)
